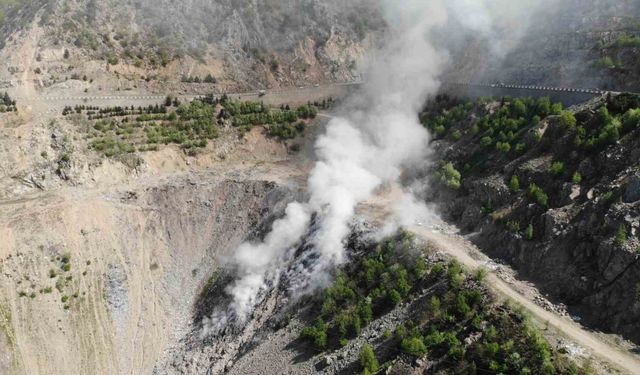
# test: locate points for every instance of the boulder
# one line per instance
(632, 193)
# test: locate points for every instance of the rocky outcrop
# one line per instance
(583, 248)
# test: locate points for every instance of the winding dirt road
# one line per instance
(461, 249)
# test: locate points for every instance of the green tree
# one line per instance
(365, 311)
(519, 108)
(503, 147)
(434, 306)
(577, 178)
(604, 118)
(450, 176)
(557, 168)
(394, 297)
(486, 141)
(413, 346)
(543, 107)
(567, 120)
(368, 359)
(556, 108)
(316, 334)
(456, 135)
(514, 184)
(631, 119)
(538, 195)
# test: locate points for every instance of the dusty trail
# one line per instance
(461, 249)
(27, 95)
(445, 238)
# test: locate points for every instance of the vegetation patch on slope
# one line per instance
(121, 130)
(455, 326)
(556, 192)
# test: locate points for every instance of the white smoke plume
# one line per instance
(369, 147)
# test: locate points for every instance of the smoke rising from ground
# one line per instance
(369, 147)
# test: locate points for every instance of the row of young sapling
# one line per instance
(127, 129)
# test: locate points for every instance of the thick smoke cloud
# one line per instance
(369, 147)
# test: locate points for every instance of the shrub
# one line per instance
(413, 346)
(368, 359)
(538, 195)
(514, 184)
(503, 147)
(543, 107)
(577, 178)
(631, 119)
(610, 133)
(456, 135)
(450, 176)
(395, 297)
(60, 284)
(486, 141)
(317, 334)
(603, 116)
(557, 168)
(434, 306)
(567, 120)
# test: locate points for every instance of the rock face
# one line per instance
(583, 248)
(632, 191)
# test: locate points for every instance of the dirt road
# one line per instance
(461, 249)
(289, 95)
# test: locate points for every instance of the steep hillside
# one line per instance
(553, 192)
(220, 45)
(400, 307)
(16, 15)
(576, 43)
(102, 282)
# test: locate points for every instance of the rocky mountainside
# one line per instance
(118, 210)
(555, 193)
(576, 43)
(222, 45)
